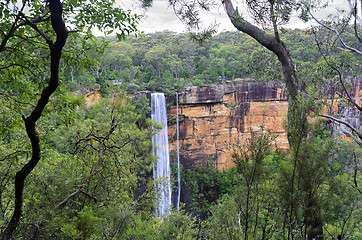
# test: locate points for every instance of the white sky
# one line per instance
(160, 17)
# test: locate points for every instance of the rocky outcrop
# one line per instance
(214, 117)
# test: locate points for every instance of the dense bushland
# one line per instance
(84, 172)
(166, 61)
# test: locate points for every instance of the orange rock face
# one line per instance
(214, 117)
(93, 97)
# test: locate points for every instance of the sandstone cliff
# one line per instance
(213, 117)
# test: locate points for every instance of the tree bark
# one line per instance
(297, 119)
(58, 25)
(312, 220)
(274, 44)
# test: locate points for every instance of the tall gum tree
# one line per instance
(297, 121)
(271, 14)
(330, 38)
(332, 42)
(40, 27)
(58, 25)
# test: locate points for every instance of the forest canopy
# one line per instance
(167, 62)
(72, 170)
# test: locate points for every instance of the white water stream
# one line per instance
(178, 157)
(160, 148)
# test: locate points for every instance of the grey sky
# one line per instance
(160, 17)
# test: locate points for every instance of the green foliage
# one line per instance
(224, 222)
(173, 226)
(104, 153)
(265, 66)
(92, 181)
(253, 204)
(258, 205)
(341, 197)
(26, 61)
(208, 184)
(176, 226)
(33, 34)
(203, 36)
(167, 62)
(249, 157)
(251, 165)
(83, 226)
(256, 193)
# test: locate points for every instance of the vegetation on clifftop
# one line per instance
(167, 62)
(72, 171)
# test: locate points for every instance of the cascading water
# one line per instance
(178, 157)
(160, 148)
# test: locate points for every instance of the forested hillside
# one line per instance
(69, 170)
(166, 61)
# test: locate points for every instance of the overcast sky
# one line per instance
(160, 17)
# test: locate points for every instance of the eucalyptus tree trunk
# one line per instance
(58, 25)
(297, 120)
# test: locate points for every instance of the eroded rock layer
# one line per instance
(214, 117)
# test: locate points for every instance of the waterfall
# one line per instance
(178, 157)
(160, 149)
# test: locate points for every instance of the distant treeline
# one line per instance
(166, 61)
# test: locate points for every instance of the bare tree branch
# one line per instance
(338, 35)
(16, 153)
(344, 123)
(85, 180)
(35, 27)
(340, 76)
(352, 136)
(13, 28)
